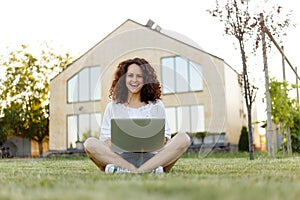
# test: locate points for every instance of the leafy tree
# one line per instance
(284, 110)
(25, 92)
(10, 124)
(243, 25)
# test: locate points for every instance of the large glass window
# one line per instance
(73, 89)
(171, 118)
(95, 88)
(186, 118)
(183, 118)
(82, 126)
(195, 76)
(72, 130)
(168, 85)
(180, 75)
(85, 85)
(197, 118)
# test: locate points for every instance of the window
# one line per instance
(95, 81)
(195, 77)
(186, 118)
(82, 126)
(171, 118)
(73, 89)
(168, 80)
(72, 130)
(180, 75)
(85, 85)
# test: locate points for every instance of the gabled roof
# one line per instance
(166, 33)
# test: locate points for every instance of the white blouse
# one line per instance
(118, 110)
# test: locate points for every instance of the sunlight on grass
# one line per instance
(212, 177)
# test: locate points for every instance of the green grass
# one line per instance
(217, 176)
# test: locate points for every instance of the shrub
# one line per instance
(244, 140)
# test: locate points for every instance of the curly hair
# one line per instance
(151, 90)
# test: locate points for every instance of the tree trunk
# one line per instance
(40, 148)
(250, 135)
(289, 141)
(270, 145)
(283, 136)
(248, 99)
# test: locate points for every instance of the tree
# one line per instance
(243, 25)
(284, 109)
(10, 124)
(25, 92)
(236, 19)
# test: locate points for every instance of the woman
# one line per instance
(136, 93)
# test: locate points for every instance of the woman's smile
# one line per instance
(134, 79)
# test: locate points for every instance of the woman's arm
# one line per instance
(105, 133)
(108, 142)
(163, 113)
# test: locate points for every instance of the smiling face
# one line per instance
(134, 79)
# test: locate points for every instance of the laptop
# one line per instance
(137, 135)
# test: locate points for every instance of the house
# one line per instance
(201, 91)
(19, 146)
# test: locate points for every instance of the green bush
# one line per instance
(244, 140)
(295, 134)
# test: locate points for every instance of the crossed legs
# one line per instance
(100, 153)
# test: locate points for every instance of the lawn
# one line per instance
(226, 177)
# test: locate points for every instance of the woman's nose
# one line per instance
(134, 78)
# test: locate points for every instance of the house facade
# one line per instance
(19, 146)
(201, 92)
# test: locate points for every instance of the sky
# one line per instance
(77, 25)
